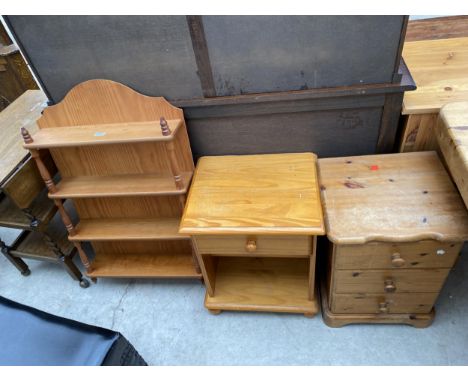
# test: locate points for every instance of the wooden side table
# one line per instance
(253, 221)
(440, 70)
(396, 225)
(23, 198)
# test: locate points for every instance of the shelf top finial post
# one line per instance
(164, 127)
(26, 136)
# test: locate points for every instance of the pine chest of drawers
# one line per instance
(253, 221)
(396, 225)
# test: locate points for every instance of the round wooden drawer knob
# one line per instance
(251, 245)
(383, 307)
(390, 286)
(397, 260)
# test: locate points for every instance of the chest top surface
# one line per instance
(439, 69)
(393, 197)
(249, 194)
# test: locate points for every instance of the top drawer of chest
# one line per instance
(422, 254)
(261, 246)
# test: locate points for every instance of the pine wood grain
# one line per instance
(394, 198)
(405, 280)
(272, 246)
(452, 135)
(418, 133)
(273, 285)
(254, 194)
(128, 229)
(24, 111)
(102, 134)
(395, 303)
(437, 28)
(120, 185)
(439, 68)
(104, 102)
(337, 320)
(414, 255)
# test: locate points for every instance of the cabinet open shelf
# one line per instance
(101, 134)
(128, 229)
(11, 216)
(143, 265)
(262, 284)
(120, 185)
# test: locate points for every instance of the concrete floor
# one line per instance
(168, 325)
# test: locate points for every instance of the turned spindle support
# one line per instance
(84, 259)
(172, 155)
(72, 231)
(45, 174)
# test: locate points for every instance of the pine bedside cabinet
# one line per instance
(396, 225)
(253, 221)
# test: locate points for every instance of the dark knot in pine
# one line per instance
(353, 184)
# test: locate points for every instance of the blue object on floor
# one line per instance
(29, 336)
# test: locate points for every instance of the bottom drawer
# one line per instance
(383, 303)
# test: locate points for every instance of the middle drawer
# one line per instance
(246, 245)
(391, 281)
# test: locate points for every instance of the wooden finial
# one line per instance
(164, 127)
(26, 136)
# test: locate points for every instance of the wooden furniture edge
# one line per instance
(335, 320)
(394, 239)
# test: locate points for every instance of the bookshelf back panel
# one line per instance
(137, 158)
(129, 207)
(143, 247)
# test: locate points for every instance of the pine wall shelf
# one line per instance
(126, 163)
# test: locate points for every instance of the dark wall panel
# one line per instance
(327, 133)
(256, 54)
(152, 54)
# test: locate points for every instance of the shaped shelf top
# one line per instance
(112, 133)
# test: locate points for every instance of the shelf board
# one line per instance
(33, 246)
(128, 229)
(115, 133)
(120, 185)
(262, 284)
(11, 216)
(143, 266)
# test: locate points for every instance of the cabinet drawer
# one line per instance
(383, 303)
(394, 281)
(422, 254)
(281, 246)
